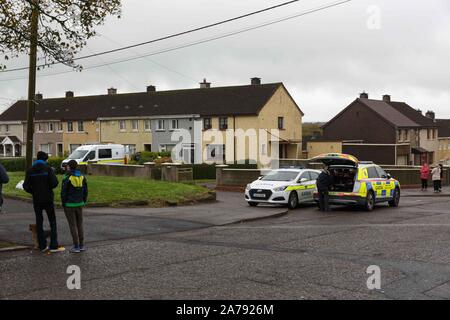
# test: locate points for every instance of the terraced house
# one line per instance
(147, 121)
(385, 131)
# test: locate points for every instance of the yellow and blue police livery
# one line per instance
(283, 186)
(361, 183)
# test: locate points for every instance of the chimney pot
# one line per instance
(205, 84)
(69, 94)
(364, 95)
(112, 91)
(39, 96)
(255, 81)
(387, 98)
(430, 114)
(151, 88)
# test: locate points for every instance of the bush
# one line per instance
(18, 164)
(147, 156)
(13, 165)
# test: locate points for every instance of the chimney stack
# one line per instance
(386, 98)
(430, 114)
(69, 94)
(112, 91)
(39, 96)
(151, 88)
(205, 85)
(364, 95)
(255, 81)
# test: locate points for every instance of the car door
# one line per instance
(378, 184)
(388, 184)
(305, 192)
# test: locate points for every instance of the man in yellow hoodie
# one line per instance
(74, 192)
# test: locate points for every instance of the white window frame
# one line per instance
(71, 122)
(78, 126)
(135, 122)
(50, 127)
(172, 128)
(158, 125)
(59, 127)
(147, 125)
(122, 125)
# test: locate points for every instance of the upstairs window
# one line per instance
(280, 123)
(70, 126)
(147, 125)
(135, 125)
(122, 125)
(207, 124)
(174, 124)
(160, 125)
(223, 123)
(80, 126)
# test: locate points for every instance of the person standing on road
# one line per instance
(40, 180)
(4, 179)
(436, 177)
(441, 167)
(74, 192)
(324, 183)
(424, 175)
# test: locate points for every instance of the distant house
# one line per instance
(444, 140)
(385, 131)
(146, 121)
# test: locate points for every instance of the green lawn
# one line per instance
(115, 191)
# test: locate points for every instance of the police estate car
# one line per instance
(361, 183)
(283, 186)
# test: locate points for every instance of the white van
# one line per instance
(101, 153)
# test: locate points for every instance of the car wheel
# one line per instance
(293, 200)
(253, 204)
(370, 201)
(395, 198)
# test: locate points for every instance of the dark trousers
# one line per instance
(424, 183)
(436, 184)
(75, 219)
(50, 210)
(323, 200)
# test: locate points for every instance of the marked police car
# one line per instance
(361, 183)
(283, 186)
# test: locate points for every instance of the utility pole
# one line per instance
(32, 82)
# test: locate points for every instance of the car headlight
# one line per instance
(278, 189)
(248, 187)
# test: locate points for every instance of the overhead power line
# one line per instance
(165, 37)
(317, 9)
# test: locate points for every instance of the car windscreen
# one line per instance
(78, 154)
(280, 176)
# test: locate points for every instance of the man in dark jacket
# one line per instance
(40, 180)
(74, 192)
(4, 179)
(324, 183)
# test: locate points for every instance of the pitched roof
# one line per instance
(443, 127)
(389, 113)
(233, 100)
(413, 114)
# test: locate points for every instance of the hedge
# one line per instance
(18, 164)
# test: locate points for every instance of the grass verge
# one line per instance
(117, 191)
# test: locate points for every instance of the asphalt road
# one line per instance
(305, 254)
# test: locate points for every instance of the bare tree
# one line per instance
(58, 29)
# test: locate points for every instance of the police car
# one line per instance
(283, 186)
(360, 183)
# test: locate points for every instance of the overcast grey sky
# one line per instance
(325, 59)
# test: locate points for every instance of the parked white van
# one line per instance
(101, 153)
